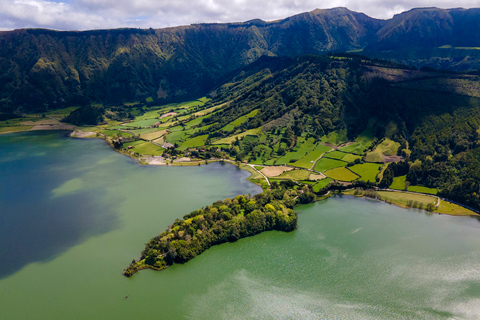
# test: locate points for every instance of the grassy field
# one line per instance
(143, 147)
(453, 209)
(307, 161)
(373, 157)
(239, 121)
(176, 136)
(14, 129)
(366, 171)
(335, 155)
(342, 174)
(193, 142)
(303, 148)
(422, 189)
(361, 143)
(350, 157)
(110, 133)
(398, 183)
(321, 184)
(387, 147)
(229, 140)
(141, 123)
(144, 131)
(335, 138)
(326, 164)
(153, 135)
(402, 198)
(296, 175)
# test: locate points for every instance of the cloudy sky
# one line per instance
(101, 14)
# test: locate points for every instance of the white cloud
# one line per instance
(95, 14)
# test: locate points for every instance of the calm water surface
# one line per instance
(73, 214)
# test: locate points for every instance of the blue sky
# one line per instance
(102, 14)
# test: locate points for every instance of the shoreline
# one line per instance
(160, 161)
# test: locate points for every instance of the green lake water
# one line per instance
(73, 214)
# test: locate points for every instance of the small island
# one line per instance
(223, 221)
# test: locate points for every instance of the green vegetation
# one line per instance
(338, 155)
(398, 183)
(350, 157)
(421, 189)
(143, 147)
(324, 164)
(295, 175)
(361, 143)
(321, 184)
(367, 171)
(223, 221)
(342, 174)
(239, 121)
(308, 161)
(193, 142)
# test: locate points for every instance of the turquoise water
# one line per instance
(73, 214)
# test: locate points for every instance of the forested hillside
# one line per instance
(44, 69)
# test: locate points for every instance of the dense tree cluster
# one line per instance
(223, 221)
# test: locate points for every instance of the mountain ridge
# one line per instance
(44, 69)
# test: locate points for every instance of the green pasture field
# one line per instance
(350, 157)
(143, 147)
(422, 189)
(193, 142)
(324, 164)
(342, 174)
(295, 174)
(338, 155)
(366, 171)
(303, 148)
(361, 143)
(398, 183)
(321, 184)
(309, 159)
(239, 121)
(229, 140)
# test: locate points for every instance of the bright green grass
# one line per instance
(342, 174)
(387, 147)
(366, 171)
(398, 183)
(193, 142)
(422, 189)
(335, 155)
(361, 143)
(15, 129)
(296, 175)
(141, 123)
(326, 164)
(321, 184)
(335, 138)
(309, 159)
(144, 131)
(176, 136)
(193, 103)
(270, 162)
(303, 149)
(143, 147)
(110, 133)
(350, 157)
(239, 121)
(251, 132)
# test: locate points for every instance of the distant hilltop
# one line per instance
(45, 69)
